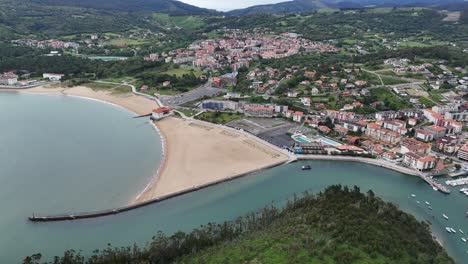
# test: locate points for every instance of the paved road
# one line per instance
(193, 95)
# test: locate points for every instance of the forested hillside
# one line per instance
(339, 225)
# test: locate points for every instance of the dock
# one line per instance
(457, 182)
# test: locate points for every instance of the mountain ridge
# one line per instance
(311, 5)
(164, 6)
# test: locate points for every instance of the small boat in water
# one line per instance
(427, 203)
(306, 167)
(413, 195)
(448, 229)
(418, 201)
(434, 188)
(445, 216)
(463, 239)
(453, 230)
(461, 231)
(430, 208)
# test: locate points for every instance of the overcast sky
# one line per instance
(224, 5)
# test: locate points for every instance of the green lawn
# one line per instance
(184, 70)
(188, 112)
(387, 80)
(390, 99)
(428, 103)
(218, 117)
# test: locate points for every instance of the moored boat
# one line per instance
(445, 216)
(306, 167)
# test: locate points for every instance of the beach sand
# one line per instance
(196, 153)
(134, 103)
(200, 153)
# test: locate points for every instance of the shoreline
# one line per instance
(241, 159)
(142, 199)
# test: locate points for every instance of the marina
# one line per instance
(457, 182)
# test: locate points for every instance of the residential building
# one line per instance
(52, 76)
(259, 110)
(396, 125)
(386, 115)
(414, 145)
(298, 116)
(375, 132)
(220, 105)
(446, 144)
(463, 152)
(423, 134)
(437, 131)
(461, 116)
(419, 161)
(8, 78)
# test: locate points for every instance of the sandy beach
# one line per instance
(134, 103)
(198, 154)
(195, 154)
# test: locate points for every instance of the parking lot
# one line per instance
(193, 95)
(273, 130)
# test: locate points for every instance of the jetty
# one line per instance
(140, 116)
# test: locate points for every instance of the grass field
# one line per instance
(185, 22)
(387, 80)
(184, 70)
(391, 100)
(436, 95)
(428, 103)
(218, 117)
(125, 41)
(187, 112)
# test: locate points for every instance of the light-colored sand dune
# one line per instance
(198, 154)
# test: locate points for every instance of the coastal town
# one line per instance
(410, 115)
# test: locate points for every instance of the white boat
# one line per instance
(413, 195)
(448, 229)
(427, 203)
(434, 188)
(445, 216)
(461, 231)
(453, 230)
(418, 201)
(430, 208)
(463, 239)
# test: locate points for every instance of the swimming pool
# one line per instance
(329, 142)
(301, 139)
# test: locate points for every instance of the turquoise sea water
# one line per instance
(61, 154)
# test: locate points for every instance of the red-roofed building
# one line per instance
(216, 82)
(374, 131)
(324, 129)
(349, 149)
(160, 113)
(419, 161)
(437, 131)
(298, 116)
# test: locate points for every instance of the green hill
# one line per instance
(340, 225)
